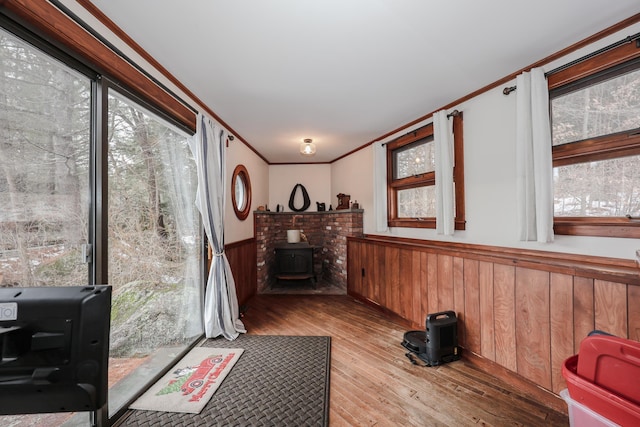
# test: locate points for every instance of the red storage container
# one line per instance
(611, 363)
(606, 403)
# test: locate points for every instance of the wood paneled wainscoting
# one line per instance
(242, 260)
(519, 311)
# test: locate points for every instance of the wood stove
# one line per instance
(294, 261)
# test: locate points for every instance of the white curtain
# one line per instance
(178, 166)
(445, 201)
(380, 186)
(221, 313)
(533, 158)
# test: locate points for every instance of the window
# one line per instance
(595, 117)
(241, 192)
(411, 178)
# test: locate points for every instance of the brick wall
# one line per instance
(328, 230)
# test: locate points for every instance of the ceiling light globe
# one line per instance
(307, 148)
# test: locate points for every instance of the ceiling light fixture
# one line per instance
(308, 148)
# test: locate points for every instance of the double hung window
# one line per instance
(411, 178)
(595, 116)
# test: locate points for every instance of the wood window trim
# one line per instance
(426, 179)
(605, 147)
(53, 25)
(458, 171)
(601, 148)
(241, 172)
(597, 226)
(593, 65)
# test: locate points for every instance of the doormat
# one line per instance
(278, 381)
(191, 383)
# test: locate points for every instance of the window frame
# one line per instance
(620, 144)
(425, 179)
(61, 29)
(241, 173)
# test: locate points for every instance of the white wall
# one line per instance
(238, 153)
(490, 177)
(489, 131)
(353, 175)
(316, 179)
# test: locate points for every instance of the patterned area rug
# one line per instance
(278, 381)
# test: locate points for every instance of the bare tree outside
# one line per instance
(605, 188)
(154, 231)
(44, 168)
(414, 159)
(44, 176)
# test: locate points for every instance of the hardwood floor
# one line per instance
(372, 381)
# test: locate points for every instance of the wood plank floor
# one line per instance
(372, 381)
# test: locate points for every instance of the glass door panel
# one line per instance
(44, 168)
(45, 116)
(154, 257)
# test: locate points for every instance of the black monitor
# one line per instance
(54, 349)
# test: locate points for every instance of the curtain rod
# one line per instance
(636, 37)
(454, 113)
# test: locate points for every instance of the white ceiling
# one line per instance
(345, 72)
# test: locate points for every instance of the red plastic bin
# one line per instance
(606, 403)
(612, 363)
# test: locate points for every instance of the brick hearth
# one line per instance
(328, 230)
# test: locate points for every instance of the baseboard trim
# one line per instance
(390, 314)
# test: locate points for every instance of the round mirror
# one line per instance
(241, 192)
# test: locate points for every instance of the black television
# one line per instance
(54, 344)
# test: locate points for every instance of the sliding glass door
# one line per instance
(97, 188)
